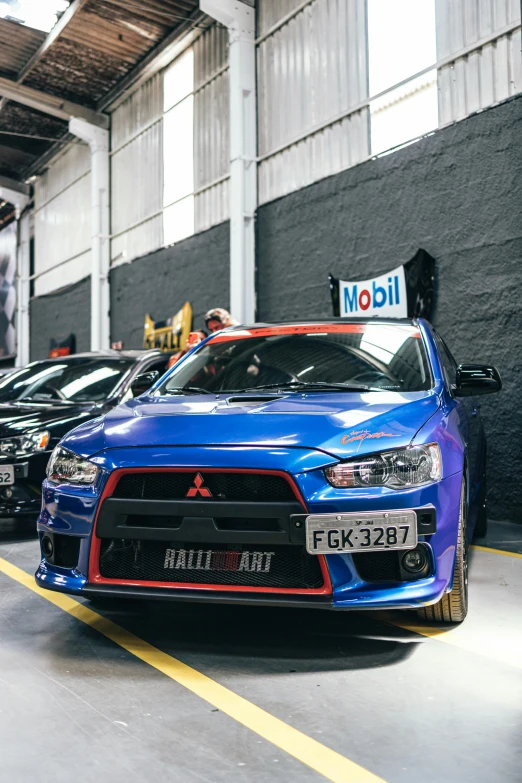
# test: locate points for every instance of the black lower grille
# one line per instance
(221, 564)
(378, 566)
(66, 550)
(177, 485)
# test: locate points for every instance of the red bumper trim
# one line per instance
(95, 577)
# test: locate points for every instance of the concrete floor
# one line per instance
(404, 707)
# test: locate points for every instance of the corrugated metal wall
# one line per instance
(312, 70)
(137, 173)
(137, 153)
(211, 128)
(62, 220)
(312, 111)
(485, 75)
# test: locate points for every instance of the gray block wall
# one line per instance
(458, 194)
(195, 270)
(58, 314)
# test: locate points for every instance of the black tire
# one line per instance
(481, 525)
(453, 606)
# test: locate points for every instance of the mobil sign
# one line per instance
(383, 296)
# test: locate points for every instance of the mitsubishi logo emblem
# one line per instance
(197, 489)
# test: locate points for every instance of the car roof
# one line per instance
(136, 355)
(326, 321)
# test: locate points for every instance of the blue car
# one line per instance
(335, 464)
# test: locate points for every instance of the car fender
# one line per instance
(447, 428)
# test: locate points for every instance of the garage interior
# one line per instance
(234, 153)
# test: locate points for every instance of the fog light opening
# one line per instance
(415, 560)
(7, 492)
(47, 547)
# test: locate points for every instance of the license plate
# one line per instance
(217, 560)
(365, 532)
(7, 475)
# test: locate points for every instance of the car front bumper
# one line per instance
(364, 596)
(72, 511)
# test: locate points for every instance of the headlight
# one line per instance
(410, 467)
(22, 445)
(64, 467)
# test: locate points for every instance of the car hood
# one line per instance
(339, 424)
(18, 418)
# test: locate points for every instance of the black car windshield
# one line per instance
(77, 379)
(316, 357)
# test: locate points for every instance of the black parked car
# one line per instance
(40, 403)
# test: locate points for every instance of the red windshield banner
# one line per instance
(279, 331)
(272, 331)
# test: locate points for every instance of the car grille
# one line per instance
(175, 485)
(189, 563)
(378, 566)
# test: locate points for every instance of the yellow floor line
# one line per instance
(318, 757)
(495, 551)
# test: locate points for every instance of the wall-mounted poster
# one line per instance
(8, 290)
(405, 292)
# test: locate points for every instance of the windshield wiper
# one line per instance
(310, 385)
(187, 389)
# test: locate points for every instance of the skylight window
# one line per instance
(401, 42)
(39, 14)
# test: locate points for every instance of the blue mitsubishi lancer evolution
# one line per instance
(333, 464)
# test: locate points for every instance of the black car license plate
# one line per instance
(365, 532)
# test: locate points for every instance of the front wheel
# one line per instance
(453, 606)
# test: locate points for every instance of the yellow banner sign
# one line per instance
(169, 335)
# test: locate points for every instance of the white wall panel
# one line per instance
(62, 220)
(212, 206)
(327, 152)
(311, 71)
(136, 173)
(270, 12)
(486, 75)
(211, 127)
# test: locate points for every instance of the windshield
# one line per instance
(375, 356)
(70, 380)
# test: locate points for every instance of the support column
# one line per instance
(22, 292)
(239, 18)
(19, 199)
(98, 140)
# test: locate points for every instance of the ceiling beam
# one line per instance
(50, 104)
(58, 28)
(13, 184)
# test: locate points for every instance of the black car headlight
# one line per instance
(64, 467)
(398, 469)
(23, 445)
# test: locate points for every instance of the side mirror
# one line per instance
(475, 379)
(143, 382)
